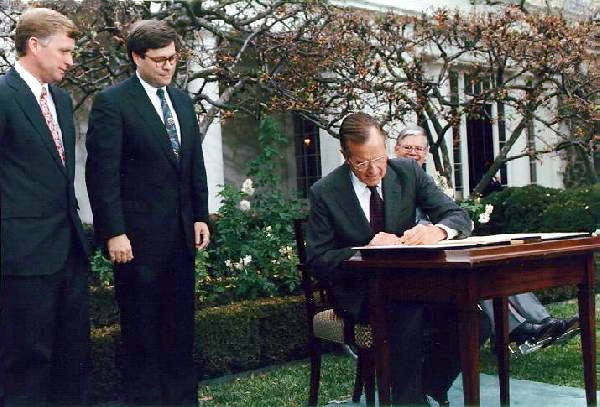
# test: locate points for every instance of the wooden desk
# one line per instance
(463, 277)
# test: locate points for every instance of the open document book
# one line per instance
(473, 241)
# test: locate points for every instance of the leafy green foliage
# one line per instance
(478, 211)
(102, 269)
(538, 209)
(251, 254)
(228, 339)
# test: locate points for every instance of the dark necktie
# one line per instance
(376, 212)
(169, 122)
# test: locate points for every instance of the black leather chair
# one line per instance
(324, 325)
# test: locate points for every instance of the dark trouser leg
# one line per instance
(442, 363)
(156, 301)
(406, 353)
(27, 320)
(138, 289)
(71, 363)
(34, 313)
(180, 382)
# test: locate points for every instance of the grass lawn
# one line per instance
(287, 385)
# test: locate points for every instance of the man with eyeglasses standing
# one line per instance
(370, 200)
(147, 186)
(529, 323)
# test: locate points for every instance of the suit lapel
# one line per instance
(26, 100)
(348, 201)
(392, 192)
(149, 116)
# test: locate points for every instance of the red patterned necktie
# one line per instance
(52, 125)
(376, 212)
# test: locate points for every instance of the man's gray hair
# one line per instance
(412, 130)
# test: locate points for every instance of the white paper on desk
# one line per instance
(476, 241)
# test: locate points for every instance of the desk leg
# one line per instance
(468, 344)
(588, 331)
(379, 325)
(501, 335)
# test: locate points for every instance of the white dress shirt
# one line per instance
(363, 193)
(36, 88)
(155, 100)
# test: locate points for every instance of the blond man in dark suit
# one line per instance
(44, 321)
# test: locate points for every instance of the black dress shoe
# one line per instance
(570, 329)
(535, 333)
(440, 397)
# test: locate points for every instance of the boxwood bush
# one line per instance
(533, 208)
(229, 338)
(539, 209)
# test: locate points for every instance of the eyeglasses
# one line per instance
(417, 149)
(160, 61)
(364, 165)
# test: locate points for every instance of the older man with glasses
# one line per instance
(371, 200)
(529, 323)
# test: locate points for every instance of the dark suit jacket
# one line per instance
(336, 221)
(135, 183)
(37, 195)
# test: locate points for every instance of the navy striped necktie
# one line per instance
(169, 122)
(376, 212)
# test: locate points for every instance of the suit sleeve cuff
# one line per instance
(452, 233)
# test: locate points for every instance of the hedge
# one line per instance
(533, 208)
(539, 209)
(229, 339)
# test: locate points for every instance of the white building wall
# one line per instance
(550, 168)
(550, 171)
(331, 157)
(517, 171)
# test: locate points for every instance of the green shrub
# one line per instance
(102, 269)
(249, 334)
(106, 376)
(575, 209)
(103, 306)
(533, 209)
(229, 339)
(251, 253)
(517, 209)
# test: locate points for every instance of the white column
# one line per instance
(212, 144)
(464, 144)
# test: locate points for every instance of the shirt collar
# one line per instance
(359, 185)
(151, 90)
(32, 82)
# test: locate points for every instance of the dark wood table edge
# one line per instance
(489, 255)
